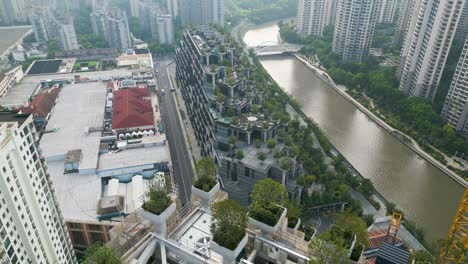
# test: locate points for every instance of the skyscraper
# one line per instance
(387, 11)
(156, 20)
(427, 45)
(60, 26)
(354, 28)
(312, 16)
(32, 229)
(14, 11)
(112, 25)
(202, 12)
(455, 111)
(404, 19)
(37, 18)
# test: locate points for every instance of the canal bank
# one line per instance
(396, 133)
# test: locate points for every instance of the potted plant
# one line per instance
(266, 211)
(157, 207)
(206, 186)
(229, 221)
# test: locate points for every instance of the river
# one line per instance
(422, 191)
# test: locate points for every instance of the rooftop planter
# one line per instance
(229, 221)
(158, 207)
(206, 197)
(266, 211)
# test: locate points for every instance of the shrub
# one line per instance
(261, 156)
(268, 198)
(158, 200)
(229, 220)
(100, 254)
(239, 154)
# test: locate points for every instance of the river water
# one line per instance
(422, 191)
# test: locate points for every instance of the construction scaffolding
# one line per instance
(458, 234)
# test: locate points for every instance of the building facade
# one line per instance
(14, 11)
(312, 16)
(403, 23)
(427, 45)
(354, 28)
(455, 110)
(219, 103)
(156, 20)
(387, 11)
(50, 23)
(112, 25)
(32, 229)
(202, 12)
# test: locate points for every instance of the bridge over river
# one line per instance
(275, 48)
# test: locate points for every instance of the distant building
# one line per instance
(462, 29)
(8, 79)
(387, 11)
(427, 45)
(32, 229)
(204, 81)
(13, 12)
(202, 12)
(156, 20)
(405, 13)
(455, 111)
(354, 28)
(312, 16)
(38, 20)
(112, 25)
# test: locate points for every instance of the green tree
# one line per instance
(271, 143)
(309, 179)
(325, 253)
(301, 181)
(229, 220)
(100, 254)
(284, 163)
(353, 224)
(206, 168)
(268, 193)
(258, 143)
(239, 154)
(367, 188)
(232, 140)
(261, 156)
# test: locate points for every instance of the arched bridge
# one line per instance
(273, 48)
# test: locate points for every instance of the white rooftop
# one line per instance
(19, 95)
(79, 107)
(133, 157)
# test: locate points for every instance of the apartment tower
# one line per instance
(427, 45)
(32, 229)
(354, 28)
(387, 11)
(202, 12)
(312, 16)
(112, 25)
(455, 111)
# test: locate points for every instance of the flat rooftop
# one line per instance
(11, 35)
(128, 158)
(19, 95)
(76, 123)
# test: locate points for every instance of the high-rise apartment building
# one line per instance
(32, 229)
(14, 11)
(455, 111)
(387, 11)
(112, 25)
(403, 23)
(462, 29)
(38, 21)
(312, 16)
(61, 27)
(202, 12)
(427, 45)
(156, 20)
(354, 28)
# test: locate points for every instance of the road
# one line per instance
(181, 164)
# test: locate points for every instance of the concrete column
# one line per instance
(248, 137)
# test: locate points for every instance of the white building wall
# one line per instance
(455, 111)
(427, 45)
(387, 11)
(32, 229)
(354, 28)
(312, 16)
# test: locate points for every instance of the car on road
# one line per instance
(163, 92)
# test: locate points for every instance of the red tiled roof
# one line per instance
(42, 103)
(376, 237)
(132, 108)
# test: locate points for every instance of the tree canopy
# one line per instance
(100, 254)
(229, 220)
